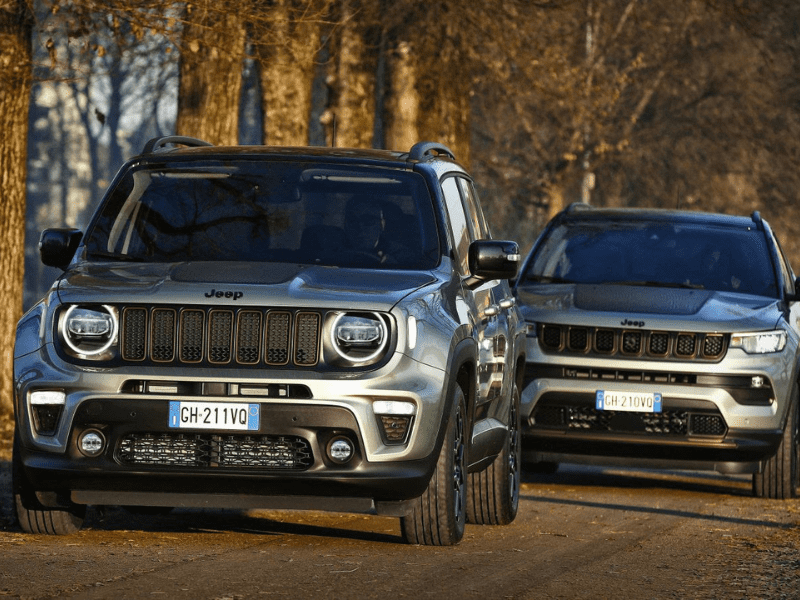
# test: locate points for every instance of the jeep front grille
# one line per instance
(216, 451)
(220, 336)
(634, 343)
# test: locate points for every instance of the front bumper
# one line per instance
(709, 419)
(284, 463)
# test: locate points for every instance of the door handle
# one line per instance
(508, 303)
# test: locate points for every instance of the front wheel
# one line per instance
(779, 478)
(438, 517)
(32, 515)
(493, 494)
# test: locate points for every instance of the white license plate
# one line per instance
(214, 415)
(628, 401)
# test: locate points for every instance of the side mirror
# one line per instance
(492, 259)
(57, 246)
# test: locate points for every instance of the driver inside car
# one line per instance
(364, 226)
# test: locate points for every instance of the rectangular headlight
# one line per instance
(762, 342)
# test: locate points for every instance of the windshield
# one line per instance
(268, 211)
(655, 254)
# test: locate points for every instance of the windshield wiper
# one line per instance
(113, 256)
(547, 279)
(667, 284)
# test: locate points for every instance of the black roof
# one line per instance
(584, 212)
(193, 147)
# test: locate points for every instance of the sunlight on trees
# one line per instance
(688, 103)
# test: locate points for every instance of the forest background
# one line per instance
(668, 103)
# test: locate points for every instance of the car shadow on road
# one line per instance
(307, 524)
(571, 477)
(216, 521)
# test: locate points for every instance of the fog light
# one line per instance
(340, 450)
(757, 381)
(92, 443)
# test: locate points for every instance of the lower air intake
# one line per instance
(216, 451)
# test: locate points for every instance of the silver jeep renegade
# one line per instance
(254, 327)
(662, 339)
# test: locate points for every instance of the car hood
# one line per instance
(652, 307)
(238, 284)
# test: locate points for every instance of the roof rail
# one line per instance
(421, 150)
(577, 206)
(756, 216)
(159, 142)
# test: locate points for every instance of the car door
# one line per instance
(483, 312)
(499, 342)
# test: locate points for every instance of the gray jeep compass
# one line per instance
(662, 338)
(298, 328)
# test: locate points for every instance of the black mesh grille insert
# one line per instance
(278, 338)
(192, 335)
(713, 345)
(220, 334)
(659, 343)
(604, 341)
(707, 425)
(220, 337)
(135, 333)
(578, 339)
(249, 339)
(307, 332)
(163, 335)
(551, 336)
(686, 344)
(215, 451)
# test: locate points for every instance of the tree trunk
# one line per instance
(15, 89)
(429, 95)
(356, 64)
(444, 112)
(287, 62)
(402, 103)
(212, 51)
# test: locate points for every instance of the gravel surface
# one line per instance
(692, 543)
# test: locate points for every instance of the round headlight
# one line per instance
(359, 337)
(89, 331)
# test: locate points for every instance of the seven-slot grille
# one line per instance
(633, 343)
(221, 336)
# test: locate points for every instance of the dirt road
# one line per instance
(582, 533)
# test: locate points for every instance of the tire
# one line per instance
(32, 515)
(778, 480)
(438, 517)
(493, 494)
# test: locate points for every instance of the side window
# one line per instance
(473, 208)
(458, 222)
(786, 270)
